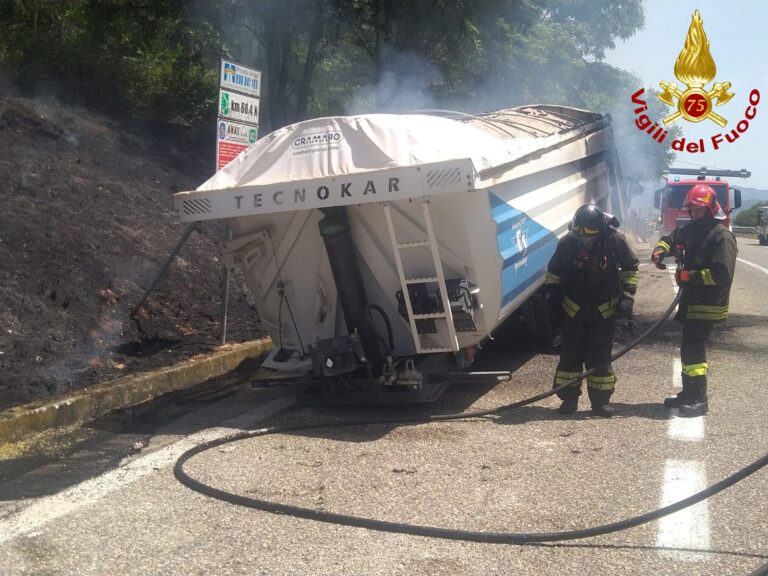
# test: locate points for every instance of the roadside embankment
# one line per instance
(23, 421)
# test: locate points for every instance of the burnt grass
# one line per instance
(86, 220)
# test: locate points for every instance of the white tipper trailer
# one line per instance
(374, 245)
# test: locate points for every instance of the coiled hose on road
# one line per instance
(434, 532)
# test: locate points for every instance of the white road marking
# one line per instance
(748, 263)
(686, 429)
(675, 287)
(44, 510)
(688, 528)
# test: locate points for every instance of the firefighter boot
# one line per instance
(599, 400)
(603, 410)
(683, 396)
(698, 404)
(570, 405)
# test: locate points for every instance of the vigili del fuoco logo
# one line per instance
(695, 68)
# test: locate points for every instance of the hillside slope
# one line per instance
(750, 197)
(86, 220)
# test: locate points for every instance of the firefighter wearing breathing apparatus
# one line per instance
(706, 254)
(593, 277)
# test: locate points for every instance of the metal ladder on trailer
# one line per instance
(445, 317)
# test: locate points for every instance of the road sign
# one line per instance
(231, 139)
(234, 106)
(239, 98)
(239, 78)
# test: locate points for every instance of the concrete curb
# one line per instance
(23, 421)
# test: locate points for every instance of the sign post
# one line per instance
(237, 128)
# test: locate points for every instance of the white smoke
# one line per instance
(405, 85)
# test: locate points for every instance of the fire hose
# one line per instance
(453, 534)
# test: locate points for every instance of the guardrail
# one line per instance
(745, 231)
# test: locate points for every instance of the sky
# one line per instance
(736, 30)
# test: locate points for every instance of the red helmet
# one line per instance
(703, 195)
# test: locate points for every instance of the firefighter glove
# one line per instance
(657, 256)
(625, 309)
(682, 276)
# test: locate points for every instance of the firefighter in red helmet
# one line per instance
(593, 277)
(706, 253)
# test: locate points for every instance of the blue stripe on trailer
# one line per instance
(524, 245)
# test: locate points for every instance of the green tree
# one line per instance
(160, 59)
(748, 217)
(146, 59)
(287, 40)
(482, 55)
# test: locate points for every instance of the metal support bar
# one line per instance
(164, 268)
(225, 293)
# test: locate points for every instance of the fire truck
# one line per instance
(670, 199)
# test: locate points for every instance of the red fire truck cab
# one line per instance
(670, 198)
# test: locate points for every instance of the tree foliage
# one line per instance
(748, 217)
(143, 58)
(159, 59)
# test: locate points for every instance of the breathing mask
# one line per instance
(586, 236)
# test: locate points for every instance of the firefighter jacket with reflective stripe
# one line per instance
(708, 252)
(596, 279)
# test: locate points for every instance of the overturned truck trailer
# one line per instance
(378, 246)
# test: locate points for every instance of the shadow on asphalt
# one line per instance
(651, 411)
(88, 455)
(508, 351)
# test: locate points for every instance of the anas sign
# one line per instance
(233, 138)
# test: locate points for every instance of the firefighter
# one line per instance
(593, 276)
(706, 253)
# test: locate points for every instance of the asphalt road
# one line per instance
(751, 251)
(113, 506)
